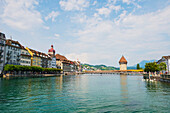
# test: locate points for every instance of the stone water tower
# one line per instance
(123, 63)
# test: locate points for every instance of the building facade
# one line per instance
(2, 51)
(123, 63)
(36, 58)
(13, 52)
(44, 60)
(165, 59)
(25, 57)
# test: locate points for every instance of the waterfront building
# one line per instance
(25, 57)
(51, 53)
(39, 59)
(77, 66)
(45, 60)
(165, 59)
(63, 63)
(35, 57)
(2, 51)
(123, 63)
(13, 52)
(49, 62)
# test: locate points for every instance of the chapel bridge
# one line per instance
(126, 72)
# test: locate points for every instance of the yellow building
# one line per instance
(35, 57)
(36, 61)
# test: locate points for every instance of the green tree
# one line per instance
(138, 66)
(152, 67)
(162, 66)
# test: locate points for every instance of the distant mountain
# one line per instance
(131, 67)
(143, 62)
(98, 67)
(104, 67)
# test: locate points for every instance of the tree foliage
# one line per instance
(17, 68)
(162, 66)
(138, 66)
(151, 67)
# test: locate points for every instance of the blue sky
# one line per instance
(93, 31)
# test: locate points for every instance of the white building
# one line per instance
(2, 51)
(25, 58)
(165, 59)
(13, 52)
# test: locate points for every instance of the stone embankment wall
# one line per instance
(163, 78)
(28, 75)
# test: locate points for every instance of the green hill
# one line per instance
(98, 67)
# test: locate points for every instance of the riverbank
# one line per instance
(162, 78)
(39, 75)
(29, 75)
(73, 73)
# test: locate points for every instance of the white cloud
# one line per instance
(138, 37)
(127, 1)
(52, 16)
(132, 2)
(120, 17)
(83, 57)
(104, 11)
(20, 14)
(46, 27)
(95, 2)
(69, 5)
(56, 35)
(109, 8)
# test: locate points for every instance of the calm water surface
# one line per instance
(84, 93)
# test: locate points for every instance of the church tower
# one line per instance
(123, 63)
(51, 53)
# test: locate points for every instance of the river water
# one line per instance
(84, 93)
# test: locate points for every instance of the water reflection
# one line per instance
(124, 88)
(59, 82)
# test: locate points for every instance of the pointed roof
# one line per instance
(123, 60)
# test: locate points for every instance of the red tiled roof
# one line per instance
(166, 57)
(9, 43)
(61, 57)
(123, 60)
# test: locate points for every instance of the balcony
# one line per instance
(18, 55)
(1, 61)
(9, 53)
(8, 57)
(1, 51)
(18, 59)
(1, 56)
(14, 63)
(2, 44)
